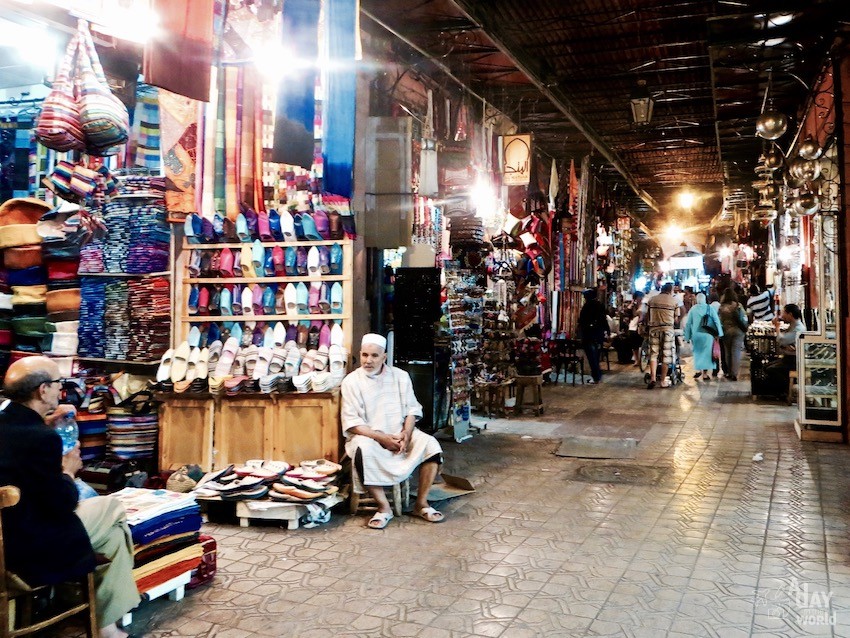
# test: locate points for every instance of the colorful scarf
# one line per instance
(338, 156)
(293, 135)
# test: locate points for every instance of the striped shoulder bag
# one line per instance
(58, 126)
(103, 116)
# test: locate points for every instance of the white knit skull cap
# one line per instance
(374, 339)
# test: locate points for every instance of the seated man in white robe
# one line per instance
(379, 414)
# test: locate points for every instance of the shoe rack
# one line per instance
(183, 321)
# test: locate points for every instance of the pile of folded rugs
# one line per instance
(276, 480)
(165, 527)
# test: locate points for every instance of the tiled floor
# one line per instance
(719, 545)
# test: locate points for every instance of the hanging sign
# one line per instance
(516, 165)
(624, 223)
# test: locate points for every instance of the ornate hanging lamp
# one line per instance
(770, 124)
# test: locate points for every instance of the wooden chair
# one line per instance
(400, 497)
(535, 382)
(16, 596)
(573, 361)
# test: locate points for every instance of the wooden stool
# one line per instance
(535, 382)
(400, 498)
(792, 386)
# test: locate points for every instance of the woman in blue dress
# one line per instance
(702, 341)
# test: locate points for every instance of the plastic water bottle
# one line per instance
(67, 429)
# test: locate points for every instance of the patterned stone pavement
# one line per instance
(716, 544)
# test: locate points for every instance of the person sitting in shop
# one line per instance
(50, 536)
(379, 414)
(777, 372)
(593, 324)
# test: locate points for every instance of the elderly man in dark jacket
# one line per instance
(593, 324)
(49, 536)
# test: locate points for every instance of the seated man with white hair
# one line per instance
(379, 414)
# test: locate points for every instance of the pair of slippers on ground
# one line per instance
(380, 519)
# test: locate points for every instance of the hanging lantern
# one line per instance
(641, 104)
(771, 125)
(764, 212)
(774, 159)
(791, 206)
(810, 170)
(769, 191)
(808, 203)
(809, 149)
(795, 168)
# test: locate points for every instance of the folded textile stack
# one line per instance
(91, 257)
(92, 435)
(149, 239)
(92, 309)
(140, 185)
(149, 301)
(165, 527)
(116, 319)
(25, 274)
(130, 436)
(63, 236)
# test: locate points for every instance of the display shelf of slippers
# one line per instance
(293, 283)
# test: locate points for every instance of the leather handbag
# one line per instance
(103, 116)
(707, 325)
(58, 126)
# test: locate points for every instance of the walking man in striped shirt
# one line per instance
(760, 304)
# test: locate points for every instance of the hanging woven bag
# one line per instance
(58, 126)
(103, 116)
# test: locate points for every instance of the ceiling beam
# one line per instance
(555, 94)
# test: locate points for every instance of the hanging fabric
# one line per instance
(208, 140)
(178, 115)
(144, 143)
(179, 56)
(428, 183)
(232, 123)
(250, 171)
(296, 102)
(220, 154)
(338, 110)
(553, 184)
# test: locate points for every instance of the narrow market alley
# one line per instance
(692, 537)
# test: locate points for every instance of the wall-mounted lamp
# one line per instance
(641, 103)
